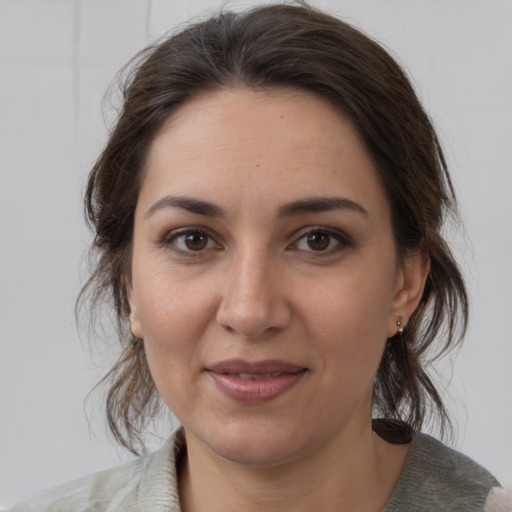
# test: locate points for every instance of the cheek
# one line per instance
(354, 307)
(350, 345)
(348, 321)
(173, 318)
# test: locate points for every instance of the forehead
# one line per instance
(277, 145)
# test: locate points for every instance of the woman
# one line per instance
(267, 213)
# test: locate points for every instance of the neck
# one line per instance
(336, 477)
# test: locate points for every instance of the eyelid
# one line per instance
(171, 236)
(166, 241)
(343, 239)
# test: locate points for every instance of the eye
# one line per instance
(195, 241)
(321, 240)
(318, 241)
(189, 241)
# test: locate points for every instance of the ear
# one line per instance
(135, 326)
(410, 283)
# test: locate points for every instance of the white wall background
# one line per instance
(56, 60)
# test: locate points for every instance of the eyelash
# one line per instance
(341, 239)
(169, 241)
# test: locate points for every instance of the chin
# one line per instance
(257, 454)
(259, 445)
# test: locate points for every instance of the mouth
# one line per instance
(252, 376)
(253, 383)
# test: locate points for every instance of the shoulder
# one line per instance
(147, 483)
(499, 500)
(94, 492)
(437, 477)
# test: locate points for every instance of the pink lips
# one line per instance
(253, 383)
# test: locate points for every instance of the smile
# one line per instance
(253, 383)
(251, 376)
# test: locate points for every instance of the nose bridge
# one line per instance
(253, 298)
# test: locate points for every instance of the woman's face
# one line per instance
(264, 278)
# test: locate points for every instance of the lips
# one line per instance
(258, 382)
(249, 376)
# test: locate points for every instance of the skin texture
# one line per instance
(258, 286)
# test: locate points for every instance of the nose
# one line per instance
(254, 300)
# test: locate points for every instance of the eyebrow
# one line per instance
(306, 205)
(187, 203)
(320, 204)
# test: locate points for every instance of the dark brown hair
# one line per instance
(283, 46)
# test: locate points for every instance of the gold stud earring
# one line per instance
(400, 325)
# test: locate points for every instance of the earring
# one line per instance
(400, 326)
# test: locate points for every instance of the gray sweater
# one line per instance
(434, 479)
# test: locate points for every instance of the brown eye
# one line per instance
(196, 241)
(190, 242)
(318, 241)
(323, 241)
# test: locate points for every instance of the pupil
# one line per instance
(318, 241)
(195, 241)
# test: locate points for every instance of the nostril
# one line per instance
(252, 319)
